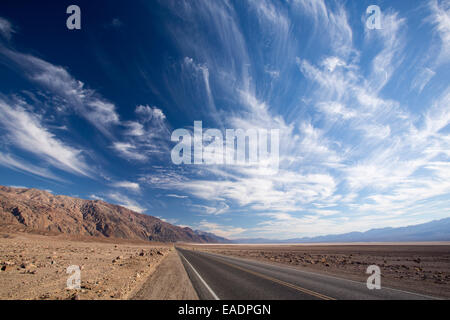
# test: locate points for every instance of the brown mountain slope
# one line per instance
(39, 210)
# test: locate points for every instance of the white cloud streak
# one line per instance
(26, 131)
(133, 186)
(6, 28)
(126, 202)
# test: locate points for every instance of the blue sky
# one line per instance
(363, 114)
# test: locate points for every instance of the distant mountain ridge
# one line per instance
(437, 230)
(42, 211)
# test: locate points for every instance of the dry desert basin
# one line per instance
(33, 266)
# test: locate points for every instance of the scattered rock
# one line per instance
(27, 266)
(117, 259)
(6, 268)
(75, 297)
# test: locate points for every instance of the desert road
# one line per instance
(218, 277)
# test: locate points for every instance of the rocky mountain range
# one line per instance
(38, 210)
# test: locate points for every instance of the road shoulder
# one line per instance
(169, 282)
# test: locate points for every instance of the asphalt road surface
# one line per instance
(227, 278)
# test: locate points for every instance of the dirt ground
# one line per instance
(169, 282)
(422, 268)
(35, 266)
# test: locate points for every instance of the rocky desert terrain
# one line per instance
(422, 268)
(34, 266)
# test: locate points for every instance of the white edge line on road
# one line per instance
(319, 274)
(200, 277)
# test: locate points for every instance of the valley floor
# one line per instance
(35, 266)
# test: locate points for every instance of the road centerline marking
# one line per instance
(287, 284)
(200, 277)
(385, 288)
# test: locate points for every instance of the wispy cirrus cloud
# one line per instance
(86, 102)
(146, 137)
(177, 196)
(333, 24)
(422, 79)
(133, 186)
(125, 201)
(440, 18)
(6, 28)
(26, 131)
(15, 163)
(129, 151)
(96, 197)
(218, 209)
